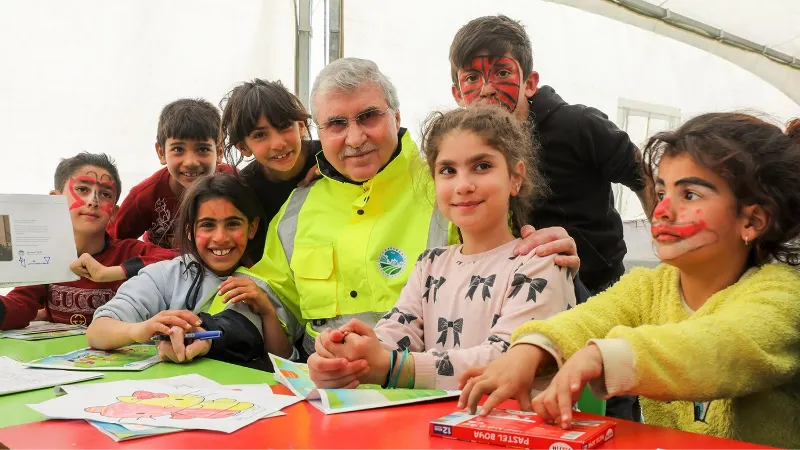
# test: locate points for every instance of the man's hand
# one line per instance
(555, 403)
(243, 289)
(177, 351)
(162, 322)
(549, 241)
(88, 267)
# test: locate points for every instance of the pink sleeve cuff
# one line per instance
(424, 371)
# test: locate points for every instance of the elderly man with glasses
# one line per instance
(343, 247)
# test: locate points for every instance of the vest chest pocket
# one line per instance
(315, 280)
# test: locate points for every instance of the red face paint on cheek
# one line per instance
(78, 202)
(663, 207)
(503, 74)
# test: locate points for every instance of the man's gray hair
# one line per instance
(348, 75)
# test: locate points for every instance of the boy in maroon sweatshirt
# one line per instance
(92, 186)
(187, 144)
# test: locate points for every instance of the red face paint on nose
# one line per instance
(663, 207)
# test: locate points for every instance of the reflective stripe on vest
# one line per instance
(287, 226)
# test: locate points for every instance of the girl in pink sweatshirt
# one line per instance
(461, 303)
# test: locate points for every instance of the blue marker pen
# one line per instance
(197, 335)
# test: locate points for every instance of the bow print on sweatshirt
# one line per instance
(476, 281)
(495, 339)
(404, 343)
(431, 254)
(443, 365)
(404, 317)
(435, 284)
(444, 325)
(534, 285)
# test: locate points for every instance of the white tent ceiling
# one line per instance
(771, 23)
(768, 25)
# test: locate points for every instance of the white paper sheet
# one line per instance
(154, 403)
(16, 377)
(36, 240)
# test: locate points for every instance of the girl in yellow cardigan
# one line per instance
(711, 339)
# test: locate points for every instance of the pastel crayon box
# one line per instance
(522, 429)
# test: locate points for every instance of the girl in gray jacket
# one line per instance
(218, 221)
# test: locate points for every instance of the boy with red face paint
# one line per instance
(187, 144)
(91, 184)
(584, 153)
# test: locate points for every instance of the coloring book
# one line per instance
(164, 404)
(43, 330)
(131, 357)
(332, 401)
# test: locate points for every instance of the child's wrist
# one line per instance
(135, 331)
(380, 367)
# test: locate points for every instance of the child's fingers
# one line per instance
(321, 350)
(340, 382)
(466, 392)
(235, 292)
(498, 396)
(524, 399)
(176, 338)
(470, 373)
(173, 321)
(165, 352)
(331, 364)
(158, 327)
(188, 316)
(550, 401)
(241, 297)
(538, 406)
(564, 400)
(194, 349)
(337, 336)
(227, 285)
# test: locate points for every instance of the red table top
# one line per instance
(304, 426)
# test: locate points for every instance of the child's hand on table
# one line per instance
(555, 403)
(509, 376)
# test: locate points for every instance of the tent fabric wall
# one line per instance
(93, 75)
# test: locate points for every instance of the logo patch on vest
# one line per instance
(392, 262)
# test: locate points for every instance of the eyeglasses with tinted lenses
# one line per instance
(367, 120)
